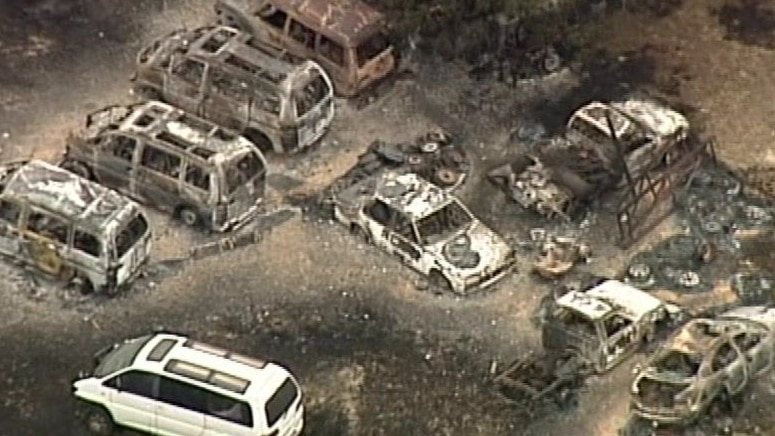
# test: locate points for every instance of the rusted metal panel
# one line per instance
(346, 20)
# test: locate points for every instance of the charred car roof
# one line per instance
(626, 115)
(167, 124)
(701, 335)
(66, 194)
(257, 63)
(410, 194)
(347, 21)
(608, 297)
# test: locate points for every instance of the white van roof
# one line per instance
(214, 367)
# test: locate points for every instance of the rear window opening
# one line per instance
(679, 363)
(242, 171)
(312, 94)
(130, 235)
(280, 402)
(372, 48)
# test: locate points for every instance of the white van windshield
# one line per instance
(121, 356)
(243, 170)
(281, 400)
(313, 93)
(130, 234)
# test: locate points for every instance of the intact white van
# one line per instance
(167, 384)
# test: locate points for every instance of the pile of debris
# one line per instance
(434, 156)
(557, 255)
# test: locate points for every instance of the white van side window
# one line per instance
(86, 243)
(48, 226)
(9, 212)
(135, 382)
(197, 176)
(161, 162)
(273, 16)
(229, 409)
(331, 50)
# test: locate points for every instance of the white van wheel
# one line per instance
(98, 421)
(188, 216)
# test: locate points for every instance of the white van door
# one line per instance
(131, 399)
(180, 409)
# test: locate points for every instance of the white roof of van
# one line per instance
(264, 377)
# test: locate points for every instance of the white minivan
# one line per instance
(167, 384)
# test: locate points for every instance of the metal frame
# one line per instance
(635, 210)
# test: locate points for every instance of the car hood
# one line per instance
(472, 251)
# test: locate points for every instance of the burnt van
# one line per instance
(283, 103)
(206, 176)
(70, 228)
(347, 37)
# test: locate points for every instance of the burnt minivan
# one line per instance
(347, 37)
(205, 175)
(283, 103)
(70, 228)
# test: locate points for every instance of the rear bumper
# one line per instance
(240, 221)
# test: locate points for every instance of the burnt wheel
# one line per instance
(439, 283)
(188, 216)
(98, 421)
(78, 168)
(148, 93)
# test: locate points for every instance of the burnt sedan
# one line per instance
(705, 360)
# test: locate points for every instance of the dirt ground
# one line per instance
(375, 355)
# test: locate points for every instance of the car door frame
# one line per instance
(108, 165)
(215, 103)
(177, 413)
(182, 93)
(10, 233)
(155, 187)
(633, 331)
(148, 404)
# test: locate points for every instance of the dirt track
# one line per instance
(376, 356)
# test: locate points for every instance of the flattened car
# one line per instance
(426, 227)
(704, 360)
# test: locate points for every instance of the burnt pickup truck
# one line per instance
(588, 331)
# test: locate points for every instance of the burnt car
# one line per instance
(71, 229)
(206, 176)
(604, 323)
(604, 145)
(347, 37)
(703, 361)
(283, 103)
(426, 227)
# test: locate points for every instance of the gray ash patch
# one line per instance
(403, 377)
(751, 22)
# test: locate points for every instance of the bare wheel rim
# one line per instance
(189, 217)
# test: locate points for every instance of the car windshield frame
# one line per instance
(438, 219)
(121, 356)
(235, 177)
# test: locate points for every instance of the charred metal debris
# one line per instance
(632, 153)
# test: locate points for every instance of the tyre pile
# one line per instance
(728, 232)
